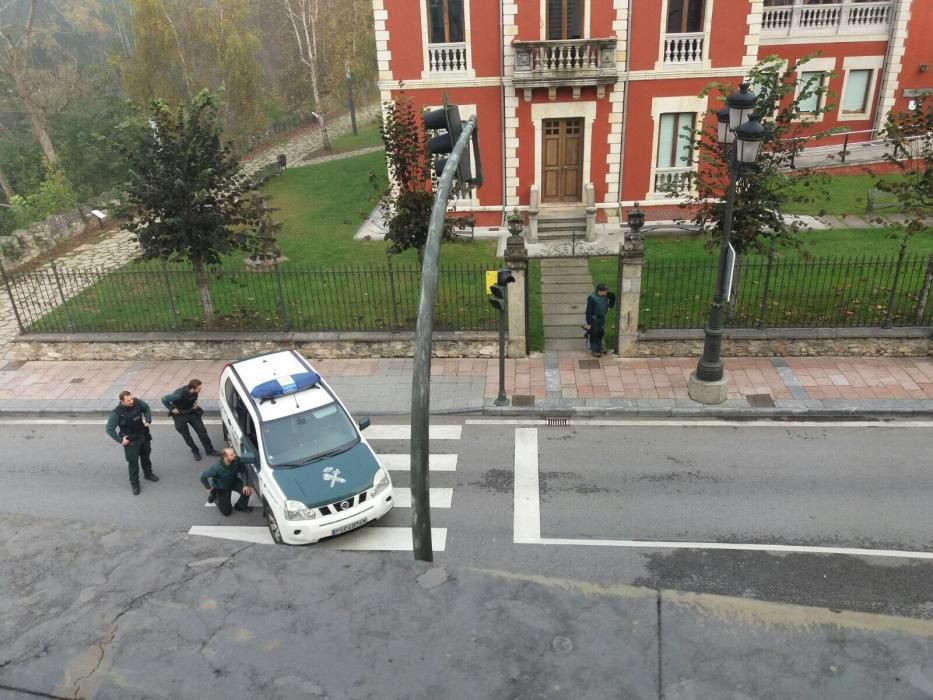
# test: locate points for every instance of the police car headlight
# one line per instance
(296, 510)
(380, 482)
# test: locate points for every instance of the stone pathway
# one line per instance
(342, 156)
(565, 285)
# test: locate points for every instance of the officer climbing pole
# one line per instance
(453, 163)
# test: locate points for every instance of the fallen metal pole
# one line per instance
(421, 374)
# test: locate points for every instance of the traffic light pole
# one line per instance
(501, 399)
(421, 375)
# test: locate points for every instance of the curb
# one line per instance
(724, 413)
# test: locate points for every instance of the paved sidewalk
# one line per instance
(564, 382)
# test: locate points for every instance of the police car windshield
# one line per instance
(304, 437)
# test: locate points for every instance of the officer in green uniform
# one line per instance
(182, 404)
(597, 305)
(132, 417)
(225, 477)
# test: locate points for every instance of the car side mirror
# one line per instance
(364, 423)
(247, 455)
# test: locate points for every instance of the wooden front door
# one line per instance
(562, 160)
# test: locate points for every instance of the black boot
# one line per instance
(211, 497)
(197, 455)
(136, 489)
(150, 477)
(212, 452)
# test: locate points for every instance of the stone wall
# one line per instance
(224, 346)
(791, 342)
(23, 245)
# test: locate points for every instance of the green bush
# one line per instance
(54, 195)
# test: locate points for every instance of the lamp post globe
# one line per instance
(724, 134)
(741, 105)
(748, 138)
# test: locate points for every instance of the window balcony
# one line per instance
(683, 49)
(666, 179)
(573, 62)
(802, 23)
(448, 59)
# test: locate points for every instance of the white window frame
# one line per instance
(426, 74)
(814, 65)
(705, 64)
(542, 23)
(664, 105)
(851, 63)
(564, 110)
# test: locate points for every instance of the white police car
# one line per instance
(314, 473)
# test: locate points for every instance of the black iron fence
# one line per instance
(149, 298)
(775, 292)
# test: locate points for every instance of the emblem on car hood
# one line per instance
(332, 474)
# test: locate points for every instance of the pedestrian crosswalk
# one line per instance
(393, 532)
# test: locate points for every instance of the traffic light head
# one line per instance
(447, 120)
(499, 290)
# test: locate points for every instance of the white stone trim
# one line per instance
(834, 39)
(383, 55)
(753, 37)
(565, 110)
(850, 63)
(666, 105)
(814, 65)
(426, 75)
(617, 104)
(441, 82)
(894, 58)
(680, 68)
(542, 21)
(510, 127)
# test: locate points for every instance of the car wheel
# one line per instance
(223, 426)
(272, 523)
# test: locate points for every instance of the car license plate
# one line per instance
(348, 527)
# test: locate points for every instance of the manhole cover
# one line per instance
(523, 400)
(760, 400)
(589, 364)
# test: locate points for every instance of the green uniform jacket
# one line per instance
(225, 477)
(182, 399)
(114, 420)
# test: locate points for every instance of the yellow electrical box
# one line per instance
(492, 276)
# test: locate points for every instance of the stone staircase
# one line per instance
(562, 224)
(565, 285)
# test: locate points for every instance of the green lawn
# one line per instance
(329, 282)
(837, 195)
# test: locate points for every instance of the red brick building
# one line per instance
(587, 98)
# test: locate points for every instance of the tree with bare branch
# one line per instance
(304, 16)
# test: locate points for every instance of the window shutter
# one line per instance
(555, 17)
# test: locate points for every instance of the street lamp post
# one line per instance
(740, 134)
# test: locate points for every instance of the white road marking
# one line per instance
(527, 507)
(403, 432)
(706, 423)
(381, 539)
(440, 498)
(402, 462)
(787, 548)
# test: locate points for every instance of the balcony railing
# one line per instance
(683, 48)
(667, 179)
(808, 21)
(447, 58)
(569, 62)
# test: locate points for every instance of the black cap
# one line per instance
(601, 287)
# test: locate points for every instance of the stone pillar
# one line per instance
(516, 258)
(631, 258)
(534, 205)
(589, 201)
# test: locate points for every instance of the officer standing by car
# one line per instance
(225, 477)
(132, 418)
(182, 404)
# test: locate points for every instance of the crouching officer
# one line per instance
(182, 404)
(225, 477)
(132, 417)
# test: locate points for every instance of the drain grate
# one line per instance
(558, 422)
(760, 400)
(589, 364)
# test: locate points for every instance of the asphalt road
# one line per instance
(645, 503)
